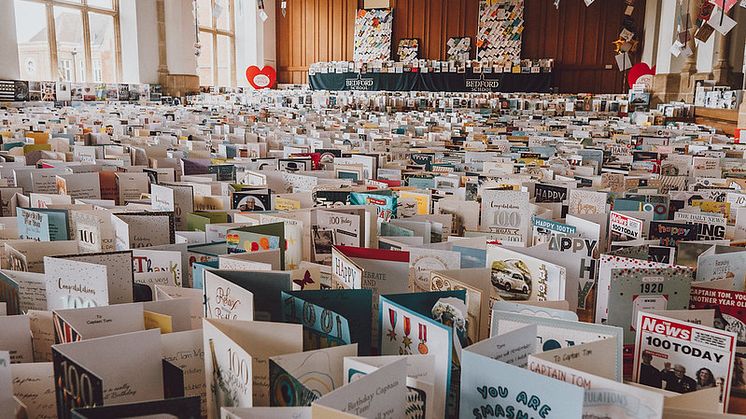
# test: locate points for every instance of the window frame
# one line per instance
(230, 33)
(84, 8)
(67, 68)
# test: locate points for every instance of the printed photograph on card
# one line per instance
(519, 277)
(683, 357)
(727, 302)
(624, 228)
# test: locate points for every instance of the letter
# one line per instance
(483, 391)
(534, 403)
(522, 397)
(590, 268)
(138, 263)
(590, 245)
(553, 243)
(510, 412)
(648, 324)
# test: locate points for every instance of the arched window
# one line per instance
(71, 40)
(217, 35)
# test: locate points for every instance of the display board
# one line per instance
(373, 35)
(500, 29)
(434, 82)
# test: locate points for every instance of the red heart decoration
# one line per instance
(638, 70)
(264, 78)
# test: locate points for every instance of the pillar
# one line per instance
(689, 69)
(10, 68)
(651, 32)
(721, 69)
(666, 81)
(162, 51)
(177, 64)
(139, 20)
(255, 39)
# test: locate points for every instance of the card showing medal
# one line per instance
(408, 328)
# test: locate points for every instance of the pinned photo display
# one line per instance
(373, 35)
(500, 32)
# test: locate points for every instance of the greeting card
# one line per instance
(237, 360)
(496, 383)
(296, 380)
(638, 289)
(559, 333)
(143, 229)
(16, 338)
(226, 300)
(330, 317)
(359, 399)
(505, 215)
(480, 296)
(33, 385)
(173, 407)
(265, 287)
(23, 291)
(185, 351)
(75, 284)
(604, 397)
(83, 378)
(519, 276)
(426, 323)
(265, 412)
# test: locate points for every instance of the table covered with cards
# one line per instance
(316, 254)
(467, 81)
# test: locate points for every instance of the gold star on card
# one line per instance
(618, 45)
(407, 342)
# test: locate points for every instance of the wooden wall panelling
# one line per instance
(578, 37)
(433, 22)
(313, 30)
(323, 30)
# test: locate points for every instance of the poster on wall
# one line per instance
(373, 35)
(499, 34)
